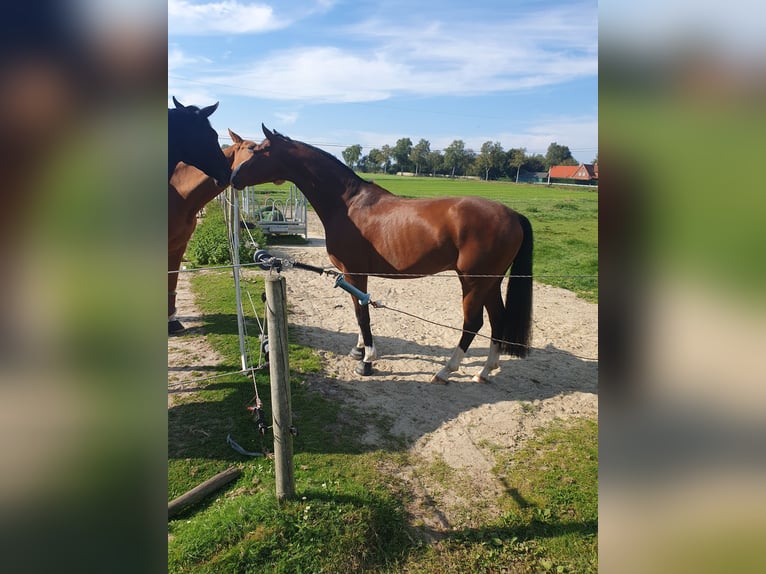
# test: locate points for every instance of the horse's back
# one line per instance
(473, 219)
(467, 234)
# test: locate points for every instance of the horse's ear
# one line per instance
(266, 132)
(234, 137)
(178, 104)
(209, 110)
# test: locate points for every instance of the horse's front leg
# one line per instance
(174, 262)
(364, 351)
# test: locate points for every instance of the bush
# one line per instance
(209, 245)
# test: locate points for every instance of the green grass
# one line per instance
(564, 220)
(348, 515)
(341, 508)
(549, 520)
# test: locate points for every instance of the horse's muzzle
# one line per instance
(233, 178)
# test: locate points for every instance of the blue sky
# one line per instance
(335, 73)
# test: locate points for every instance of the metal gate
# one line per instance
(275, 215)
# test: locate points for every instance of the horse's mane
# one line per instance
(327, 155)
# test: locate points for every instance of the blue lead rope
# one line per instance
(267, 262)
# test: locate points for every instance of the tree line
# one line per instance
(491, 162)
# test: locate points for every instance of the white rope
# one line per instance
(231, 229)
(441, 275)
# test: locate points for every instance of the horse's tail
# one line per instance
(517, 325)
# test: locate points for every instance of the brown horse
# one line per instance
(370, 231)
(191, 139)
(188, 192)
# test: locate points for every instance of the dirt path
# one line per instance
(190, 357)
(461, 424)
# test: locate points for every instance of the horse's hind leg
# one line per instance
(495, 309)
(473, 319)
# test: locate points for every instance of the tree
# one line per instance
(516, 158)
(559, 155)
(352, 154)
(490, 158)
(385, 153)
(401, 153)
(419, 154)
(456, 157)
(435, 161)
(374, 159)
(534, 163)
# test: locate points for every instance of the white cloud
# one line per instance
(177, 58)
(286, 118)
(579, 134)
(380, 60)
(319, 74)
(225, 17)
(330, 74)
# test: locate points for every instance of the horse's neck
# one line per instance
(196, 188)
(173, 159)
(328, 188)
(174, 154)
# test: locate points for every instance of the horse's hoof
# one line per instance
(357, 353)
(364, 369)
(438, 380)
(175, 327)
(479, 379)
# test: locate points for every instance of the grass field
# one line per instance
(348, 515)
(564, 220)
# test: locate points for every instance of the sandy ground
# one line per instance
(463, 423)
(190, 358)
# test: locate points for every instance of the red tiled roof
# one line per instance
(563, 171)
(584, 171)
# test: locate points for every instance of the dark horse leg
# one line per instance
(365, 348)
(473, 319)
(174, 262)
(493, 303)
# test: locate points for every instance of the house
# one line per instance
(585, 173)
(532, 177)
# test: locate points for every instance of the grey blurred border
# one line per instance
(82, 238)
(682, 438)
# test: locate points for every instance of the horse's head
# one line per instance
(240, 150)
(193, 140)
(264, 165)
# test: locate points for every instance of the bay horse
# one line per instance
(370, 231)
(189, 190)
(191, 139)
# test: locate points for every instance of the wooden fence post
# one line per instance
(279, 370)
(199, 492)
